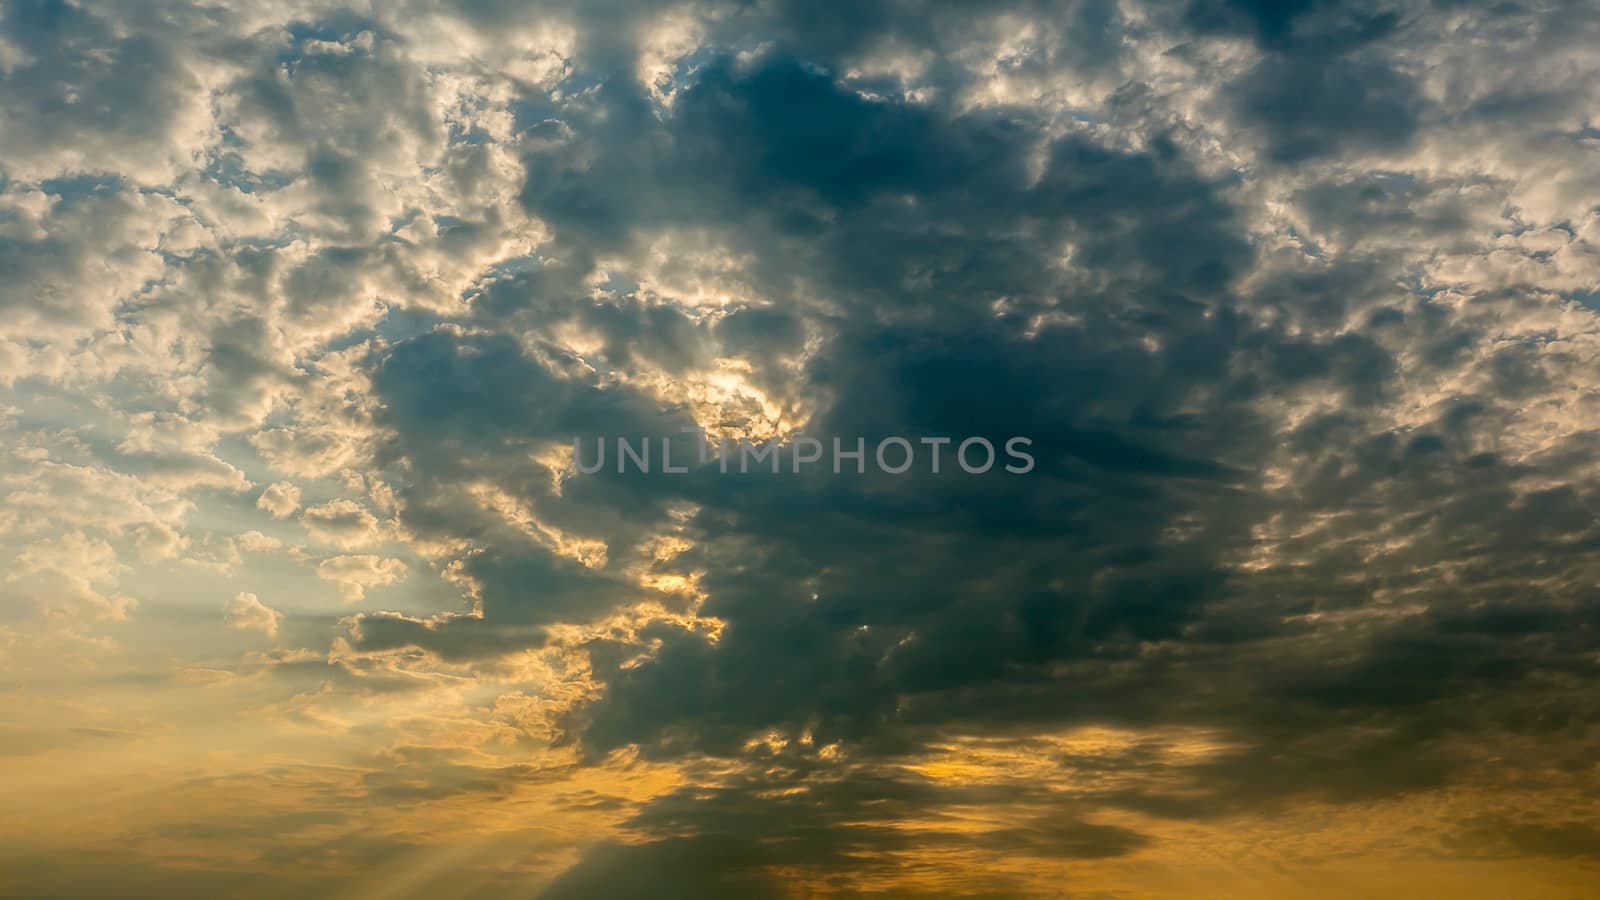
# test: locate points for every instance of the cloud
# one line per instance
(281, 500)
(256, 542)
(68, 578)
(341, 522)
(116, 101)
(356, 574)
(1295, 301)
(246, 612)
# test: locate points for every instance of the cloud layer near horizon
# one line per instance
(305, 303)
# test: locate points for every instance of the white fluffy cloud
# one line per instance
(246, 612)
(356, 574)
(70, 578)
(281, 500)
(344, 523)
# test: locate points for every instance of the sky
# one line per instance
(306, 306)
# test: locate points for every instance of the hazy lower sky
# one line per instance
(303, 305)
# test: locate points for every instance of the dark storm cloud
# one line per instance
(435, 388)
(962, 372)
(940, 255)
(487, 387)
(876, 196)
(1020, 572)
(1295, 24)
(1320, 88)
(110, 97)
(1309, 105)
